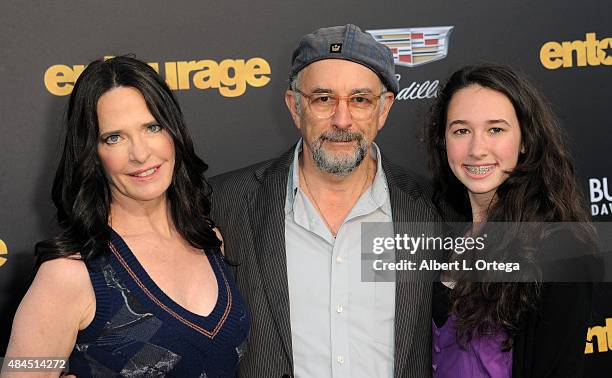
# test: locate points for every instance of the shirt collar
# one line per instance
(379, 191)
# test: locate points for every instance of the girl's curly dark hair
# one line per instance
(541, 188)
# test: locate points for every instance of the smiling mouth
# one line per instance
(146, 173)
(479, 169)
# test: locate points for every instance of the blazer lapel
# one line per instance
(406, 206)
(268, 224)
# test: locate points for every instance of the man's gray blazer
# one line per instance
(248, 207)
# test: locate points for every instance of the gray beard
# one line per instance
(341, 165)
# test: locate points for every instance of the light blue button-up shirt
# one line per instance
(340, 326)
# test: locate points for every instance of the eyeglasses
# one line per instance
(324, 105)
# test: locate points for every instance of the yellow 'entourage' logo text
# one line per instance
(229, 76)
(590, 52)
(3, 251)
(603, 334)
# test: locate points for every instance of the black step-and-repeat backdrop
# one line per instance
(228, 63)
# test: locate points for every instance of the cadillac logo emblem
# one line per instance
(413, 47)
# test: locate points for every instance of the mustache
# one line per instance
(340, 135)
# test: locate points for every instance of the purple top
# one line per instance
(482, 358)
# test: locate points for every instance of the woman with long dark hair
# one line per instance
(136, 283)
(497, 154)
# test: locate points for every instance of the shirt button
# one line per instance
(437, 333)
(435, 367)
(437, 349)
(339, 259)
(339, 309)
(340, 359)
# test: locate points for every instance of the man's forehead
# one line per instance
(339, 75)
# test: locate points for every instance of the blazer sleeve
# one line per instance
(553, 340)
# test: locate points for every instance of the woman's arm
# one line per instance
(58, 304)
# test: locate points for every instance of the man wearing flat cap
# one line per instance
(292, 226)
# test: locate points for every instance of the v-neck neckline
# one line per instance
(164, 306)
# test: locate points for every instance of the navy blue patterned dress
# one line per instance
(138, 331)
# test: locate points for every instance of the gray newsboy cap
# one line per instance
(346, 42)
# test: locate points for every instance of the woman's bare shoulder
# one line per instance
(65, 283)
(59, 303)
(68, 270)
